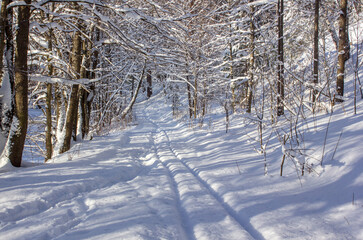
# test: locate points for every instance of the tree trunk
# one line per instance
(133, 100)
(72, 110)
(6, 114)
(82, 111)
(149, 90)
(342, 50)
(48, 112)
(48, 132)
(3, 20)
(231, 69)
(83, 94)
(316, 50)
(280, 71)
(58, 104)
(17, 138)
(195, 102)
(190, 102)
(92, 75)
(204, 101)
(252, 60)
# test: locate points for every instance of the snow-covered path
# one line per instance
(204, 215)
(163, 180)
(124, 186)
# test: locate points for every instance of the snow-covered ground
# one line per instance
(161, 179)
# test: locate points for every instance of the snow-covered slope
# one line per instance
(163, 180)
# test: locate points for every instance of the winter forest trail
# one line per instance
(132, 185)
(161, 179)
(204, 214)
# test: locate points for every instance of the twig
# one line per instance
(239, 171)
(336, 146)
(346, 220)
(353, 199)
(326, 136)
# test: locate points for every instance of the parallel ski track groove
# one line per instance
(247, 226)
(229, 210)
(44, 205)
(185, 225)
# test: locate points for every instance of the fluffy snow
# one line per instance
(161, 179)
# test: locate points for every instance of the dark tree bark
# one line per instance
(149, 90)
(48, 132)
(195, 102)
(48, 99)
(133, 100)
(58, 104)
(82, 110)
(86, 95)
(17, 138)
(89, 95)
(343, 50)
(280, 71)
(316, 48)
(82, 92)
(70, 119)
(72, 111)
(3, 20)
(6, 115)
(190, 101)
(204, 101)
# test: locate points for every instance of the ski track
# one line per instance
(197, 197)
(181, 212)
(69, 203)
(187, 207)
(63, 206)
(243, 223)
(54, 198)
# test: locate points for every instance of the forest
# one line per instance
(83, 63)
(181, 119)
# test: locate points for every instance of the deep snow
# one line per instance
(161, 179)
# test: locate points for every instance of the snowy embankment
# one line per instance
(163, 180)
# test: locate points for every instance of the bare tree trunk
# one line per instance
(149, 90)
(90, 96)
(252, 60)
(83, 111)
(6, 115)
(342, 50)
(58, 102)
(190, 102)
(72, 110)
(280, 80)
(17, 138)
(231, 69)
(48, 112)
(133, 100)
(195, 103)
(48, 133)
(316, 50)
(70, 119)
(204, 102)
(3, 20)
(83, 94)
